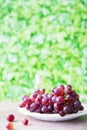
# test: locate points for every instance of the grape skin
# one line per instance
(62, 100)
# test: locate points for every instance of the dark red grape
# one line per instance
(54, 98)
(50, 108)
(81, 108)
(44, 109)
(53, 89)
(61, 113)
(59, 91)
(62, 100)
(77, 104)
(33, 107)
(33, 97)
(11, 118)
(38, 99)
(45, 101)
(50, 95)
(25, 121)
(27, 106)
(38, 110)
(57, 107)
(69, 98)
(68, 89)
(22, 104)
(42, 90)
(37, 91)
(24, 96)
(67, 109)
(27, 100)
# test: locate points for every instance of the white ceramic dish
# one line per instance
(53, 117)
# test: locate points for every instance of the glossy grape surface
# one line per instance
(62, 100)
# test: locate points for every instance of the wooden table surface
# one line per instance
(12, 107)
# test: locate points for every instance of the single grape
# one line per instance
(57, 107)
(53, 89)
(24, 96)
(10, 126)
(27, 100)
(37, 91)
(50, 96)
(22, 104)
(50, 108)
(38, 99)
(81, 108)
(75, 95)
(28, 106)
(77, 104)
(69, 98)
(68, 89)
(67, 109)
(42, 90)
(10, 118)
(61, 113)
(38, 110)
(62, 86)
(60, 99)
(25, 121)
(45, 101)
(33, 97)
(59, 91)
(33, 107)
(75, 110)
(53, 99)
(44, 109)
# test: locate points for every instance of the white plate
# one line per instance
(53, 117)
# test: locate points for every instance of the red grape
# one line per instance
(67, 109)
(81, 108)
(38, 99)
(59, 91)
(45, 101)
(44, 109)
(33, 97)
(38, 110)
(10, 126)
(61, 113)
(57, 107)
(25, 121)
(33, 107)
(68, 89)
(42, 91)
(54, 99)
(22, 104)
(62, 100)
(10, 118)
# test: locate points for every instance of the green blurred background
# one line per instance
(42, 36)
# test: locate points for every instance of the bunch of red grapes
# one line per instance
(62, 100)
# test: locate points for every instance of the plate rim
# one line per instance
(53, 117)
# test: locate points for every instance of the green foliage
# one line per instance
(45, 36)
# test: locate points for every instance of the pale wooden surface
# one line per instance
(11, 107)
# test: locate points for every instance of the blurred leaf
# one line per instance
(46, 36)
